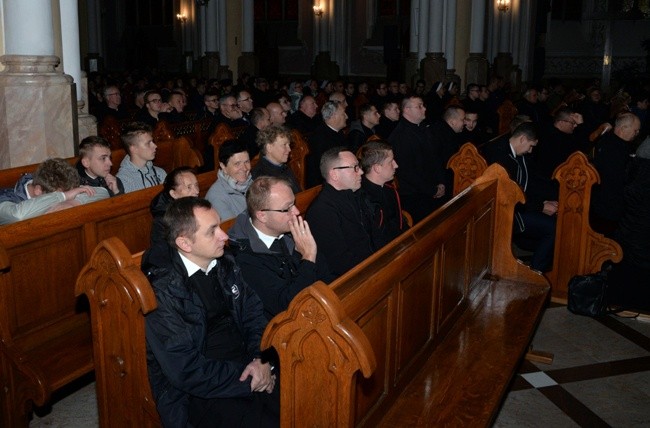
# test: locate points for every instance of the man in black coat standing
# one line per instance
(421, 175)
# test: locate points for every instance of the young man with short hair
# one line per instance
(137, 170)
(94, 165)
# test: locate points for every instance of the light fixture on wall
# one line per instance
(503, 5)
(181, 17)
(318, 10)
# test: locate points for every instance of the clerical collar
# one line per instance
(512, 150)
(192, 267)
(266, 239)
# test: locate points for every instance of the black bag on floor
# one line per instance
(588, 294)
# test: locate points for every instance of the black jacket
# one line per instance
(266, 167)
(634, 227)
(611, 160)
(420, 161)
(303, 123)
(275, 277)
(176, 335)
(384, 204)
(86, 180)
(322, 139)
(342, 227)
(157, 207)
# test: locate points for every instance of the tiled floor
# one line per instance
(600, 377)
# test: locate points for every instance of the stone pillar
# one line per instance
(87, 123)
(423, 31)
(411, 62)
(477, 65)
(248, 62)
(434, 65)
(503, 61)
(210, 55)
(450, 41)
(72, 58)
(224, 71)
(37, 103)
(324, 67)
(93, 60)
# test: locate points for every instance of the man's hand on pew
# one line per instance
(305, 242)
(550, 207)
(262, 379)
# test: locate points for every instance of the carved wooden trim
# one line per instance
(579, 250)
(468, 165)
(314, 335)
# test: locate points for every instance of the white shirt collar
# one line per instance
(192, 267)
(267, 239)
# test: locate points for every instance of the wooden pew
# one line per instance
(45, 334)
(579, 250)
(437, 321)
(506, 111)
(170, 154)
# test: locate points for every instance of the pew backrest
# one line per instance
(467, 165)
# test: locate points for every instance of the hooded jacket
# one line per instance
(135, 178)
(176, 335)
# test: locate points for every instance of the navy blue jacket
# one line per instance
(176, 335)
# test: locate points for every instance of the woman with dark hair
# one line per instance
(179, 183)
(228, 193)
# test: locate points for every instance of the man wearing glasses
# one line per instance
(112, 105)
(152, 107)
(231, 114)
(559, 140)
(339, 217)
(274, 246)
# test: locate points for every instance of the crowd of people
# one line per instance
(378, 151)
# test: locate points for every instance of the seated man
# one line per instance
(94, 165)
(339, 218)
(363, 128)
(274, 246)
(203, 340)
(388, 121)
(306, 119)
(260, 119)
(274, 143)
(534, 222)
(137, 170)
(177, 102)
(612, 159)
(54, 186)
(150, 113)
(112, 105)
(378, 164)
(228, 194)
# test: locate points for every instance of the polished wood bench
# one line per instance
(437, 322)
(45, 333)
(170, 154)
(579, 250)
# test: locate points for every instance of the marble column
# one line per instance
(210, 54)
(423, 27)
(224, 71)
(323, 67)
(434, 64)
(37, 103)
(248, 62)
(94, 60)
(412, 63)
(477, 65)
(503, 61)
(450, 41)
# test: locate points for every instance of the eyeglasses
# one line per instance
(354, 167)
(231, 105)
(286, 210)
(156, 100)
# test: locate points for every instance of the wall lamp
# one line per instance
(318, 11)
(503, 5)
(181, 17)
